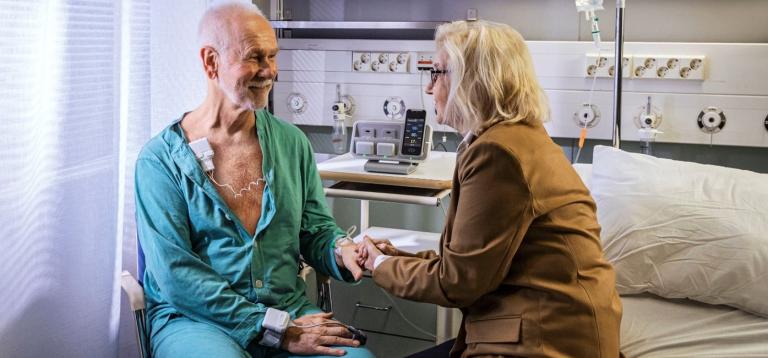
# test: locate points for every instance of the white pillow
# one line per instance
(680, 229)
(585, 173)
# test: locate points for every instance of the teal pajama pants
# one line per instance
(184, 338)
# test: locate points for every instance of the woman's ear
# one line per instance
(210, 62)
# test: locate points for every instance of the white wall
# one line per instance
(178, 82)
(557, 20)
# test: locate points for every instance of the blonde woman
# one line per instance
(520, 252)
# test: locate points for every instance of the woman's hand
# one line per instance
(316, 340)
(367, 253)
(385, 246)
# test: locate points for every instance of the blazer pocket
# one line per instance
(494, 330)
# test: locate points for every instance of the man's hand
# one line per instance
(384, 246)
(348, 259)
(316, 340)
(368, 251)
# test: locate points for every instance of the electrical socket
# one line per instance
(691, 68)
(668, 67)
(645, 66)
(604, 66)
(393, 62)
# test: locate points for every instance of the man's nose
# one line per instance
(267, 71)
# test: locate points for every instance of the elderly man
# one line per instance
(224, 220)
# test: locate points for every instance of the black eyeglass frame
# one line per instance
(434, 74)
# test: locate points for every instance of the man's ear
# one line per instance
(210, 62)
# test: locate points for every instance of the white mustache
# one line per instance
(260, 84)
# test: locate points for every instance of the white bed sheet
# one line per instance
(657, 327)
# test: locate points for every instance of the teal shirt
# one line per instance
(201, 263)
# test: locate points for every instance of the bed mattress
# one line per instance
(657, 327)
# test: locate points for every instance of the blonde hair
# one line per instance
(492, 76)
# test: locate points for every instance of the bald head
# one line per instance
(238, 50)
(218, 25)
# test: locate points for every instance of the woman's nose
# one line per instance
(428, 90)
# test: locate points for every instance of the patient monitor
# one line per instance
(393, 147)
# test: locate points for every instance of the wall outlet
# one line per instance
(645, 66)
(603, 67)
(668, 67)
(691, 68)
(393, 62)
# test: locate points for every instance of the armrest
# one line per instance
(134, 291)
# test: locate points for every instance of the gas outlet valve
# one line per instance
(649, 116)
(394, 108)
(766, 123)
(297, 103)
(587, 116)
(711, 120)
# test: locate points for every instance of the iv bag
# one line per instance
(589, 5)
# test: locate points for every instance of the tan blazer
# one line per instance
(520, 254)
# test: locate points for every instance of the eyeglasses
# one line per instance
(434, 74)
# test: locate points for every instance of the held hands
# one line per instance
(384, 245)
(369, 249)
(356, 257)
(317, 339)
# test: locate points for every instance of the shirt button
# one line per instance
(258, 284)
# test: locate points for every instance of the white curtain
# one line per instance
(74, 110)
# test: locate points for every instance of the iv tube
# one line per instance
(589, 7)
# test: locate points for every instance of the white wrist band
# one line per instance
(271, 339)
(342, 241)
(275, 322)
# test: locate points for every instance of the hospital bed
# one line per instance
(690, 249)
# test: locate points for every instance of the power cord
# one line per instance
(397, 309)
(357, 334)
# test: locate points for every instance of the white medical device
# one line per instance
(393, 147)
(203, 153)
(275, 323)
(276, 320)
